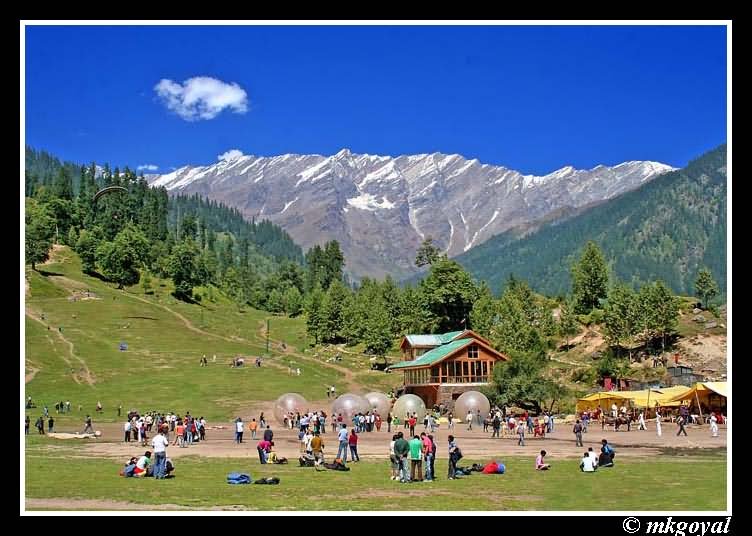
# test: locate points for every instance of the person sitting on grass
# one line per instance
(539, 463)
(607, 455)
(142, 465)
(588, 463)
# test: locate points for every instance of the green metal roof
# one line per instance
(435, 355)
(432, 340)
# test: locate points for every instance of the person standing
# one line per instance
(120, 409)
(658, 423)
(469, 420)
(40, 425)
(342, 438)
(238, 430)
(160, 443)
(88, 429)
(521, 434)
(389, 423)
(26, 425)
(454, 456)
(401, 450)
(262, 422)
(681, 421)
(713, 425)
(353, 443)
(253, 426)
(578, 434)
(50, 424)
(416, 459)
(268, 434)
(127, 431)
(413, 421)
(450, 418)
(427, 449)
(496, 423)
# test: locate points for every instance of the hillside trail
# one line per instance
(348, 375)
(189, 325)
(84, 374)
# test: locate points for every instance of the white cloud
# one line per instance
(147, 167)
(232, 154)
(201, 97)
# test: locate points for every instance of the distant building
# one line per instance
(439, 368)
(683, 375)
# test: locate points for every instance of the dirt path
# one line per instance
(96, 504)
(348, 375)
(84, 374)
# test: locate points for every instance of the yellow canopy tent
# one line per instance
(709, 396)
(603, 399)
(645, 398)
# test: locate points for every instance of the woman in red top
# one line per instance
(353, 442)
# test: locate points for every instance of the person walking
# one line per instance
(238, 430)
(88, 429)
(658, 423)
(253, 426)
(496, 423)
(578, 433)
(450, 418)
(160, 443)
(50, 424)
(40, 425)
(352, 441)
(641, 420)
(469, 420)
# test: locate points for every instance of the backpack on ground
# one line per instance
(307, 460)
(238, 478)
(268, 480)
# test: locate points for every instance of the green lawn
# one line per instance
(160, 368)
(664, 484)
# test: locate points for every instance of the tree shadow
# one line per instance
(45, 273)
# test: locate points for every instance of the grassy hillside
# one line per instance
(72, 349)
(667, 229)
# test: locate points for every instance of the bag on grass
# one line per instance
(238, 478)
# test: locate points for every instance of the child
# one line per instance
(521, 433)
(539, 464)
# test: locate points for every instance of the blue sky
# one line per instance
(530, 98)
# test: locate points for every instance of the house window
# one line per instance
(472, 351)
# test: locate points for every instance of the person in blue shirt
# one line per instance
(342, 437)
(606, 458)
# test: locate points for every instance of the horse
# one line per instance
(616, 422)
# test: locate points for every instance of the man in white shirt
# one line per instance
(127, 430)
(238, 430)
(587, 464)
(160, 443)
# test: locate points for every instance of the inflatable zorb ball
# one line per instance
(289, 402)
(471, 401)
(379, 402)
(349, 405)
(409, 404)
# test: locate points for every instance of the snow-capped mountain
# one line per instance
(380, 208)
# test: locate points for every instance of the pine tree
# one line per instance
(705, 286)
(484, 313)
(568, 325)
(427, 253)
(590, 279)
(314, 313)
(622, 317)
(40, 227)
(293, 302)
(86, 247)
